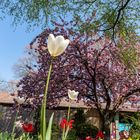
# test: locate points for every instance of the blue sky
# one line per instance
(12, 44)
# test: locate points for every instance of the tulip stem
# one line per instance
(66, 133)
(43, 108)
(68, 116)
(66, 129)
(63, 134)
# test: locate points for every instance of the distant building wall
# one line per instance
(93, 117)
(7, 116)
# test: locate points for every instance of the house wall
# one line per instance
(93, 117)
(7, 116)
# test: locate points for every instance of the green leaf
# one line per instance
(49, 129)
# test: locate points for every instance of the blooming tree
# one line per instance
(91, 65)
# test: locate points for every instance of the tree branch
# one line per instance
(108, 100)
(117, 18)
(125, 97)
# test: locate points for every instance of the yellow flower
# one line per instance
(72, 94)
(57, 45)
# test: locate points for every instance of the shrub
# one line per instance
(135, 129)
(81, 127)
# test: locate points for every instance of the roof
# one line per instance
(73, 104)
(8, 99)
(127, 107)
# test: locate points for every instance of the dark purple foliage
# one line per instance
(91, 65)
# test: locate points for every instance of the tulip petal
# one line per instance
(59, 39)
(51, 43)
(62, 47)
(72, 94)
(60, 44)
(57, 46)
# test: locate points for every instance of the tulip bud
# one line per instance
(19, 100)
(73, 94)
(57, 45)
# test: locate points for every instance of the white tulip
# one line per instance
(20, 100)
(57, 45)
(72, 94)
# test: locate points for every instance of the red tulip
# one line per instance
(100, 135)
(27, 127)
(70, 123)
(64, 123)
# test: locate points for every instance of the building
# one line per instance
(7, 103)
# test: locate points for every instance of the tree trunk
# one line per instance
(106, 121)
(106, 131)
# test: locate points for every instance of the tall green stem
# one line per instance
(66, 133)
(63, 134)
(43, 108)
(68, 116)
(66, 129)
